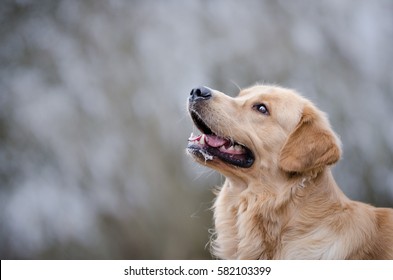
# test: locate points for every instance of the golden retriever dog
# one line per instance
(279, 199)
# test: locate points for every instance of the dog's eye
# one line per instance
(262, 109)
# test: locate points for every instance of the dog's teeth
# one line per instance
(234, 149)
(226, 150)
(202, 140)
(231, 148)
(238, 148)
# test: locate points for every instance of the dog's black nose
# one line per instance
(200, 93)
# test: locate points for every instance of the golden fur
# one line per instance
(287, 205)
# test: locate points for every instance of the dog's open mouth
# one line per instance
(209, 145)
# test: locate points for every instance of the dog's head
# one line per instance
(263, 129)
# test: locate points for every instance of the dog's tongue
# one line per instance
(215, 141)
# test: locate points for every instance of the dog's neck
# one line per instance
(278, 186)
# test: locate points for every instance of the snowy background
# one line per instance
(93, 124)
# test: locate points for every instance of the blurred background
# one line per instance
(93, 122)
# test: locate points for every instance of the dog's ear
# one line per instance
(312, 145)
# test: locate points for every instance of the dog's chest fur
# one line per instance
(248, 225)
(252, 225)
